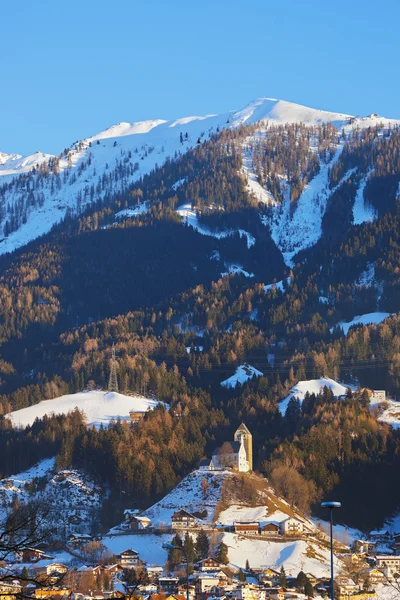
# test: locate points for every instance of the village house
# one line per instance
(389, 565)
(10, 590)
(136, 416)
(80, 539)
(396, 542)
(129, 559)
(208, 564)
(137, 523)
(247, 592)
(346, 587)
(205, 582)
(380, 536)
(53, 592)
(364, 546)
(277, 593)
(182, 519)
(373, 575)
(168, 585)
(270, 529)
(291, 526)
(32, 554)
(247, 528)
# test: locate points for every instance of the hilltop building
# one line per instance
(236, 455)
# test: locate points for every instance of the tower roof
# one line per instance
(242, 429)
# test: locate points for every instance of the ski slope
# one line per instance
(99, 408)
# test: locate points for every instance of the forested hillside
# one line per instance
(187, 302)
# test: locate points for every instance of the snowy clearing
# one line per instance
(312, 386)
(99, 407)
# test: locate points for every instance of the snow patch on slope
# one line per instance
(312, 386)
(373, 318)
(242, 374)
(99, 407)
(190, 217)
(361, 211)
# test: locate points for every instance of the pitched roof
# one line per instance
(243, 428)
(182, 513)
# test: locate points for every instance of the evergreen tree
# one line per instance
(282, 577)
(222, 553)
(308, 589)
(202, 545)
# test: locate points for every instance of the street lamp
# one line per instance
(331, 506)
(168, 546)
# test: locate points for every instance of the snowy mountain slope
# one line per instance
(99, 407)
(189, 494)
(66, 496)
(108, 162)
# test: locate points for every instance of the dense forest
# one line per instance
(153, 285)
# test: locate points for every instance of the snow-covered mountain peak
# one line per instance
(123, 129)
(281, 112)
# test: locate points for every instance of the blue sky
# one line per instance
(70, 69)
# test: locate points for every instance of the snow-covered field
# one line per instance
(367, 319)
(99, 407)
(149, 546)
(313, 386)
(242, 374)
(294, 556)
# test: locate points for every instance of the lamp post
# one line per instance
(331, 506)
(168, 546)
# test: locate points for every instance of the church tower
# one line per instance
(243, 433)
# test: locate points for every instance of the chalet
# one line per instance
(112, 569)
(373, 575)
(80, 539)
(378, 396)
(380, 536)
(291, 526)
(209, 564)
(389, 565)
(247, 528)
(346, 587)
(129, 559)
(246, 592)
(205, 582)
(136, 416)
(270, 573)
(277, 593)
(153, 571)
(181, 591)
(270, 529)
(168, 585)
(54, 569)
(32, 554)
(137, 523)
(182, 519)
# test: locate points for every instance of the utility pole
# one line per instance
(113, 381)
